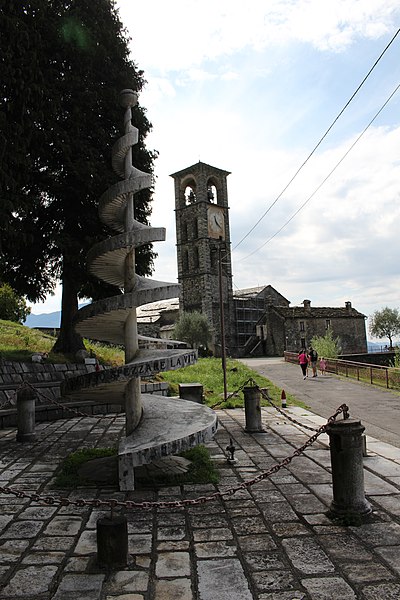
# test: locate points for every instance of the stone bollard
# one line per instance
(346, 446)
(252, 409)
(26, 414)
(112, 542)
(192, 392)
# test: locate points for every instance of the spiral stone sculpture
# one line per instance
(155, 426)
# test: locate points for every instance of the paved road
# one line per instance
(378, 408)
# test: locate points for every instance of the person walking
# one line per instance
(303, 362)
(322, 365)
(313, 354)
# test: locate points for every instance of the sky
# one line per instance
(251, 88)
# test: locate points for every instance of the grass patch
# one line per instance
(69, 477)
(18, 343)
(208, 372)
(201, 469)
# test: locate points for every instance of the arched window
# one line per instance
(212, 195)
(190, 193)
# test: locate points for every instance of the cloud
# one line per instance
(175, 35)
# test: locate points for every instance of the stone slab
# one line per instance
(219, 578)
(167, 427)
(111, 382)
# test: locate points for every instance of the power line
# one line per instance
(319, 143)
(327, 176)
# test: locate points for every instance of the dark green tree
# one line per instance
(193, 328)
(65, 64)
(385, 323)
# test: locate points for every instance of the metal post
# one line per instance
(346, 446)
(26, 414)
(222, 321)
(252, 409)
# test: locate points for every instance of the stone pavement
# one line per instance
(269, 541)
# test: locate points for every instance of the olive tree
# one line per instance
(327, 346)
(385, 323)
(12, 306)
(193, 328)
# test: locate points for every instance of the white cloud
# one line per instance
(178, 34)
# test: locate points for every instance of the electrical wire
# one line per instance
(327, 176)
(319, 143)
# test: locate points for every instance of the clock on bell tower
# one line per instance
(202, 239)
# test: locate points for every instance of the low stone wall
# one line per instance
(47, 378)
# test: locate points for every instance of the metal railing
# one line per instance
(388, 377)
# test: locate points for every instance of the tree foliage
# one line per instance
(385, 323)
(12, 307)
(193, 328)
(327, 346)
(62, 66)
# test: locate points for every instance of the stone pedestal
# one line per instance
(112, 542)
(346, 446)
(26, 415)
(191, 391)
(252, 409)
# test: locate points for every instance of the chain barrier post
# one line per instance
(346, 448)
(26, 397)
(112, 542)
(252, 409)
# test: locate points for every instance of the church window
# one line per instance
(327, 323)
(185, 261)
(196, 261)
(213, 258)
(302, 328)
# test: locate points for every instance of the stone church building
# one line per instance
(256, 321)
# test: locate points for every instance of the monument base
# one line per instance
(168, 426)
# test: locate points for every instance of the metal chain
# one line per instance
(130, 504)
(282, 412)
(76, 412)
(218, 404)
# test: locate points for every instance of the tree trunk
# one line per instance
(68, 341)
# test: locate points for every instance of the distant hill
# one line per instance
(52, 319)
(44, 320)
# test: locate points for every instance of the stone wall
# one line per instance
(47, 378)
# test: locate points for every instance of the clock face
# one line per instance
(216, 222)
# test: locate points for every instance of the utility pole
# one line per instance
(222, 319)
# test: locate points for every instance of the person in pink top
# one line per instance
(322, 365)
(303, 362)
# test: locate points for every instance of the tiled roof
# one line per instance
(152, 312)
(299, 312)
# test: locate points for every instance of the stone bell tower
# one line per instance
(203, 244)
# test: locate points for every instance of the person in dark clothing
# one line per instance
(313, 354)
